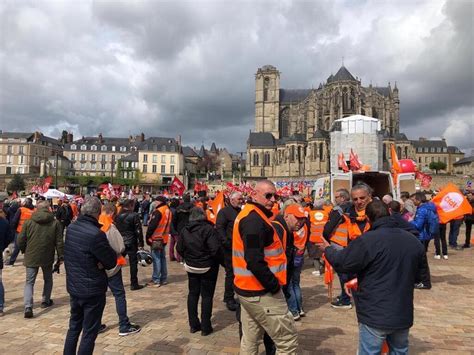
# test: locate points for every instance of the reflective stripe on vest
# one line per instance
(318, 219)
(341, 234)
(274, 255)
(162, 230)
(25, 214)
(301, 237)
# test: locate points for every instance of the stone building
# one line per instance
(25, 153)
(464, 166)
(291, 135)
(427, 151)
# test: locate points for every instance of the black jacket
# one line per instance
(181, 217)
(199, 245)
(388, 261)
(85, 247)
(64, 214)
(290, 245)
(225, 225)
(6, 237)
(129, 225)
(256, 235)
(335, 218)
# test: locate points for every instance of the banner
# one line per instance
(451, 203)
(177, 186)
(354, 161)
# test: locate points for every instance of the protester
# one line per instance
(387, 199)
(6, 237)
(174, 255)
(64, 213)
(454, 227)
(224, 227)
(145, 209)
(22, 214)
(180, 219)
(129, 225)
(87, 254)
(427, 223)
(469, 219)
(318, 217)
(290, 220)
(347, 222)
(387, 261)
(114, 275)
(157, 236)
(40, 237)
(259, 264)
(200, 247)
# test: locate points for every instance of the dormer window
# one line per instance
(103, 148)
(83, 147)
(123, 149)
(113, 148)
(73, 147)
(163, 148)
(94, 147)
(173, 148)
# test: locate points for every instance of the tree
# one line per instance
(16, 184)
(437, 165)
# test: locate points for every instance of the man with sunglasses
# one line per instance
(260, 263)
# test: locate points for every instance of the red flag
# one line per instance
(356, 164)
(46, 183)
(301, 186)
(231, 186)
(342, 163)
(177, 186)
(451, 203)
(197, 186)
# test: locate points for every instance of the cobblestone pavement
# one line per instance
(444, 316)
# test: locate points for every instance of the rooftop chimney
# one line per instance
(179, 139)
(101, 139)
(69, 138)
(142, 137)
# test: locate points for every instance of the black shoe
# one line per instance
(465, 246)
(206, 332)
(422, 286)
(28, 312)
(231, 306)
(194, 330)
(132, 329)
(102, 328)
(136, 287)
(338, 304)
(47, 304)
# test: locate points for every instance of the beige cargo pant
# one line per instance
(268, 313)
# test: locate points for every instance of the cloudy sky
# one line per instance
(187, 67)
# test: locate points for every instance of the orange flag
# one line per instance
(342, 163)
(354, 161)
(396, 168)
(450, 203)
(217, 203)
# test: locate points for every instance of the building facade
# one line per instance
(464, 166)
(291, 137)
(25, 153)
(429, 151)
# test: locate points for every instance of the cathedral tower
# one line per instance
(267, 100)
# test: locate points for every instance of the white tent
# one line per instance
(53, 193)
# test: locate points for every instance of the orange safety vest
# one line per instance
(341, 234)
(355, 232)
(25, 214)
(162, 230)
(318, 219)
(211, 217)
(274, 255)
(275, 210)
(284, 238)
(301, 237)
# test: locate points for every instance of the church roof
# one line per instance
(321, 134)
(261, 139)
(342, 74)
(213, 148)
(465, 160)
(400, 137)
(297, 137)
(202, 152)
(189, 152)
(293, 95)
(384, 91)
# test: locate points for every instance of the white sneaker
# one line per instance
(445, 257)
(437, 257)
(316, 273)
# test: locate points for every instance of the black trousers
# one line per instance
(441, 237)
(202, 285)
(468, 232)
(86, 316)
(131, 251)
(229, 277)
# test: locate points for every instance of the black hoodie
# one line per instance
(199, 245)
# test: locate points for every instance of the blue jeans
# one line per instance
(295, 302)
(371, 340)
(2, 292)
(16, 250)
(160, 272)
(145, 218)
(31, 273)
(86, 316)
(116, 286)
(454, 227)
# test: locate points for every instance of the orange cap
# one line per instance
(296, 210)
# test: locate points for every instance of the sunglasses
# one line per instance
(269, 196)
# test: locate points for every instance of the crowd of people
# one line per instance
(376, 246)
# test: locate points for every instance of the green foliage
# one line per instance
(437, 165)
(16, 184)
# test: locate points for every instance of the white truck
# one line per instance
(380, 181)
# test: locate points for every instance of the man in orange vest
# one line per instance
(157, 237)
(23, 214)
(347, 223)
(318, 218)
(259, 263)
